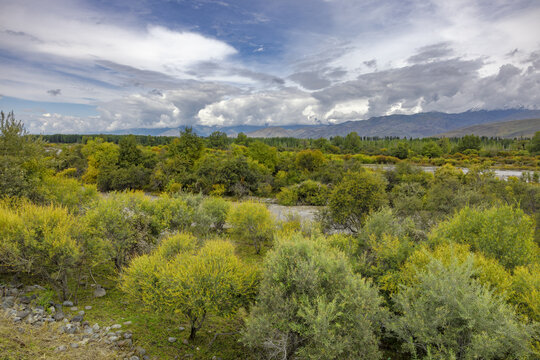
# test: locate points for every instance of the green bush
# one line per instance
(217, 209)
(287, 196)
(251, 222)
(505, 233)
(312, 306)
(40, 241)
(197, 283)
(355, 197)
(447, 314)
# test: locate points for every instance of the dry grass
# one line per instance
(24, 341)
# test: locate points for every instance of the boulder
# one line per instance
(99, 292)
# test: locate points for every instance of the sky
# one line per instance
(85, 66)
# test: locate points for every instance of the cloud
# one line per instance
(54, 92)
(431, 52)
(74, 33)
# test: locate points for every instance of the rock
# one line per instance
(77, 318)
(95, 327)
(58, 316)
(74, 308)
(146, 357)
(61, 348)
(88, 307)
(134, 358)
(81, 312)
(52, 309)
(70, 329)
(116, 326)
(171, 339)
(113, 338)
(23, 314)
(21, 330)
(67, 303)
(185, 342)
(140, 351)
(181, 328)
(74, 345)
(124, 343)
(25, 300)
(128, 335)
(99, 292)
(197, 348)
(127, 323)
(88, 331)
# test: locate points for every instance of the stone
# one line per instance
(88, 330)
(127, 323)
(23, 314)
(67, 303)
(58, 316)
(99, 292)
(74, 308)
(116, 326)
(134, 358)
(181, 328)
(124, 343)
(127, 335)
(171, 339)
(77, 318)
(185, 342)
(140, 351)
(81, 312)
(95, 327)
(52, 309)
(88, 307)
(61, 348)
(74, 345)
(25, 300)
(113, 338)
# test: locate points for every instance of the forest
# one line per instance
(399, 263)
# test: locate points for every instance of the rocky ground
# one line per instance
(52, 330)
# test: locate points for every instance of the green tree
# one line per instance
(21, 159)
(218, 140)
(309, 160)
(251, 222)
(312, 306)
(467, 142)
(447, 314)
(535, 143)
(129, 153)
(264, 154)
(355, 197)
(197, 283)
(187, 148)
(431, 149)
(505, 233)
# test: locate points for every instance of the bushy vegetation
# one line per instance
(399, 263)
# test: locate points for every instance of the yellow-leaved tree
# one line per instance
(180, 277)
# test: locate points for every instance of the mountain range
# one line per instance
(416, 125)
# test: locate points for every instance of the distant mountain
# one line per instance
(417, 125)
(506, 129)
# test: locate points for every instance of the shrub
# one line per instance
(505, 233)
(195, 282)
(355, 197)
(251, 222)
(312, 193)
(287, 196)
(216, 208)
(39, 240)
(447, 314)
(526, 291)
(312, 306)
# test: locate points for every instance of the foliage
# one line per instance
(505, 233)
(447, 314)
(195, 282)
(526, 291)
(311, 305)
(355, 197)
(216, 209)
(21, 159)
(309, 160)
(468, 142)
(39, 240)
(251, 222)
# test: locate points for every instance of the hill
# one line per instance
(417, 125)
(505, 129)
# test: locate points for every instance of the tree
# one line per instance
(218, 140)
(309, 160)
(21, 159)
(264, 154)
(401, 151)
(39, 241)
(187, 148)
(312, 306)
(251, 222)
(431, 150)
(355, 197)
(447, 314)
(535, 143)
(129, 154)
(505, 233)
(197, 283)
(467, 142)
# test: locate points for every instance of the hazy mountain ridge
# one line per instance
(416, 125)
(506, 129)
